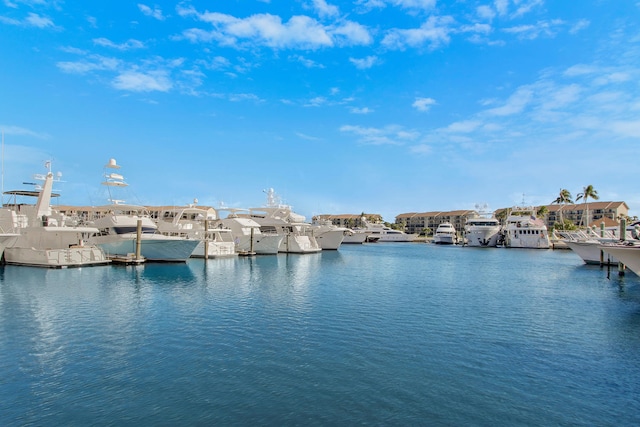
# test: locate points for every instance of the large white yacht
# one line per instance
(328, 235)
(119, 224)
(627, 252)
(279, 218)
(586, 243)
(355, 236)
(523, 230)
(7, 238)
(43, 238)
(381, 233)
(445, 234)
(482, 231)
(248, 236)
(192, 222)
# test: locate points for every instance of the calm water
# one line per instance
(382, 334)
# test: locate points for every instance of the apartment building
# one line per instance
(607, 212)
(420, 222)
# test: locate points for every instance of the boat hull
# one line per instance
(81, 256)
(628, 255)
(354, 237)
(299, 244)
(483, 238)
(214, 250)
(7, 240)
(590, 252)
(153, 247)
(331, 239)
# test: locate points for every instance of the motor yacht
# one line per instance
(445, 234)
(275, 217)
(193, 222)
(42, 237)
(482, 231)
(378, 232)
(523, 230)
(627, 252)
(126, 229)
(328, 235)
(248, 236)
(355, 236)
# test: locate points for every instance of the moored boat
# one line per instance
(445, 234)
(119, 225)
(524, 230)
(43, 238)
(482, 231)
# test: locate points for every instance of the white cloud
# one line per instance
(465, 126)
(485, 12)
(309, 63)
(533, 31)
(525, 7)
(434, 33)
(316, 102)
(154, 13)
(308, 137)
(20, 131)
(136, 81)
(363, 110)
(389, 135)
(128, 45)
(238, 97)
(422, 149)
(414, 4)
(627, 128)
(299, 32)
(38, 21)
(324, 9)
(580, 70)
(501, 6)
(351, 33)
(423, 104)
(32, 20)
(515, 104)
(364, 63)
(94, 63)
(580, 25)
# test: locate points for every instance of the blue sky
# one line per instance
(381, 106)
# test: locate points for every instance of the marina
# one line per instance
(376, 334)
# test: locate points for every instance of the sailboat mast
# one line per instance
(2, 173)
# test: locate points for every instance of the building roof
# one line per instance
(592, 205)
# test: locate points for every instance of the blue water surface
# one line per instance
(376, 334)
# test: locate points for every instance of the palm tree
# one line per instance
(587, 192)
(563, 198)
(542, 212)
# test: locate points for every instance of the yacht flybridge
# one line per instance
(42, 238)
(279, 218)
(119, 226)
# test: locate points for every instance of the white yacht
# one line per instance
(328, 235)
(355, 236)
(381, 233)
(248, 237)
(627, 252)
(6, 238)
(119, 225)
(44, 239)
(524, 230)
(482, 231)
(279, 218)
(192, 222)
(586, 243)
(445, 234)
